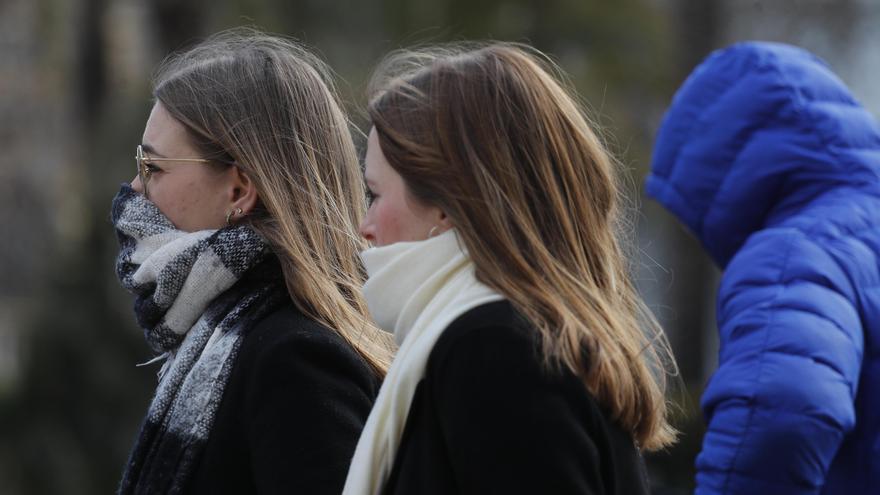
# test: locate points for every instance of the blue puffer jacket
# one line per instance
(771, 163)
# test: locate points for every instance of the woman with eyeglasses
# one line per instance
(523, 366)
(239, 241)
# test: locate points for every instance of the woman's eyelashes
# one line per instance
(371, 196)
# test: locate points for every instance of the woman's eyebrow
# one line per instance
(151, 150)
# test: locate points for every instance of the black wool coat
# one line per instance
(291, 414)
(489, 418)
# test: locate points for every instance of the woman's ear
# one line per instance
(442, 223)
(445, 223)
(242, 192)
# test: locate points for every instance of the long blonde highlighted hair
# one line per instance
(268, 105)
(490, 135)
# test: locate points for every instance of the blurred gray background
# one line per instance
(74, 97)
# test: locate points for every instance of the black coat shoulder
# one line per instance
(287, 338)
(491, 417)
(293, 409)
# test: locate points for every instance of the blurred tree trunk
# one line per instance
(693, 293)
(698, 27)
(179, 22)
(690, 324)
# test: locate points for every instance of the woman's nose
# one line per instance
(136, 184)
(365, 231)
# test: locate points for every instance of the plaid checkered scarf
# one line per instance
(196, 295)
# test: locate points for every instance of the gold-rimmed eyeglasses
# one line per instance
(144, 161)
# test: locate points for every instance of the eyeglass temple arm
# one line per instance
(151, 159)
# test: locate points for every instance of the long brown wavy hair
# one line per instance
(268, 106)
(490, 135)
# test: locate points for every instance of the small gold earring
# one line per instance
(229, 215)
(431, 232)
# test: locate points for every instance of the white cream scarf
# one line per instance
(415, 290)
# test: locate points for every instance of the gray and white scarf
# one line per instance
(197, 294)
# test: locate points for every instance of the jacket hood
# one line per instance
(756, 133)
